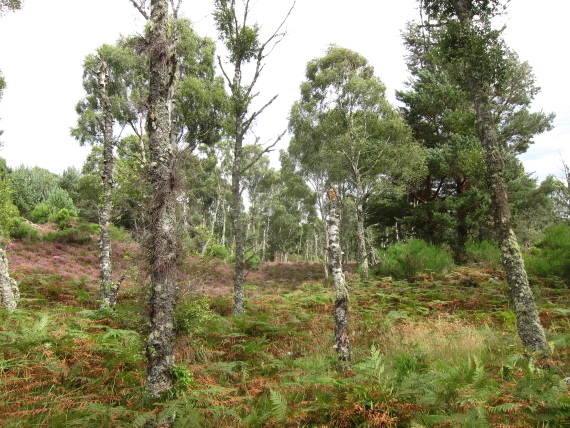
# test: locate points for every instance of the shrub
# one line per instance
(217, 251)
(411, 258)
(64, 218)
(551, 257)
(485, 253)
(19, 229)
(41, 213)
(69, 236)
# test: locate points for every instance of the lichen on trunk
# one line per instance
(8, 286)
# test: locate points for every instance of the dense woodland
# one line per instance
(399, 269)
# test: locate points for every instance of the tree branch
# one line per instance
(140, 8)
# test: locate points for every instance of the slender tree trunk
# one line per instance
(341, 332)
(361, 233)
(107, 290)
(8, 286)
(528, 322)
(161, 245)
(239, 230)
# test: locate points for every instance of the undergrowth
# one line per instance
(427, 352)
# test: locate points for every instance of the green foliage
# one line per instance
(484, 253)
(182, 378)
(8, 212)
(191, 314)
(550, 258)
(20, 229)
(64, 218)
(412, 258)
(41, 213)
(31, 186)
(72, 235)
(217, 251)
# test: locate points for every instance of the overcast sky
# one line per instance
(43, 46)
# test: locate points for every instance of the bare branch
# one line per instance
(265, 150)
(140, 8)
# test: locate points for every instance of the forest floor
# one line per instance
(430, 351)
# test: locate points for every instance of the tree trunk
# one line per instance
(8, 286)
(361, 232)
(107, 289)
(528, 322)
(161, 243)
(341, 332)
(239, 230)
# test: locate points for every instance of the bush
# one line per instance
(550, 258)
(412, 258)
(19, 229)
(69, 236)
(41, 213)
(64, 218)
(217, 251)
(485, 253)
(252, 261)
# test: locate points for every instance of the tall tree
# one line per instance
(106, 92)
(344, 119)
(477, 50)
(244, 47)
(451, 198)
(161, 244)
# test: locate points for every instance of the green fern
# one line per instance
(278, 405)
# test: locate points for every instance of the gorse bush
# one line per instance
(551, 257)
(412, 258)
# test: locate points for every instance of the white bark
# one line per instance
(8, 286)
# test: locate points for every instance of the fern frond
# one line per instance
(278, 405)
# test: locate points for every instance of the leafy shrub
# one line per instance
(64, 218)
(189, 315)
(41, 213)
(411, 258)
(19, 229)
(252, 261)
(485, 253)
(217, 251)
(118, 234)
(551, 257)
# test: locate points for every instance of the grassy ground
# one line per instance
(429, 352)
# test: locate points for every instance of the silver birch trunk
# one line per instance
(341, 332)
(361, 233)
(529, 326)
(8, 285)
(107, 289)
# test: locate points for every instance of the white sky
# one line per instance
(42, 48)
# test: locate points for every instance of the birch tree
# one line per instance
(244, 47)
(343, 116)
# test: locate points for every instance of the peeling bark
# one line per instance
(341, 332)
(8, 286)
